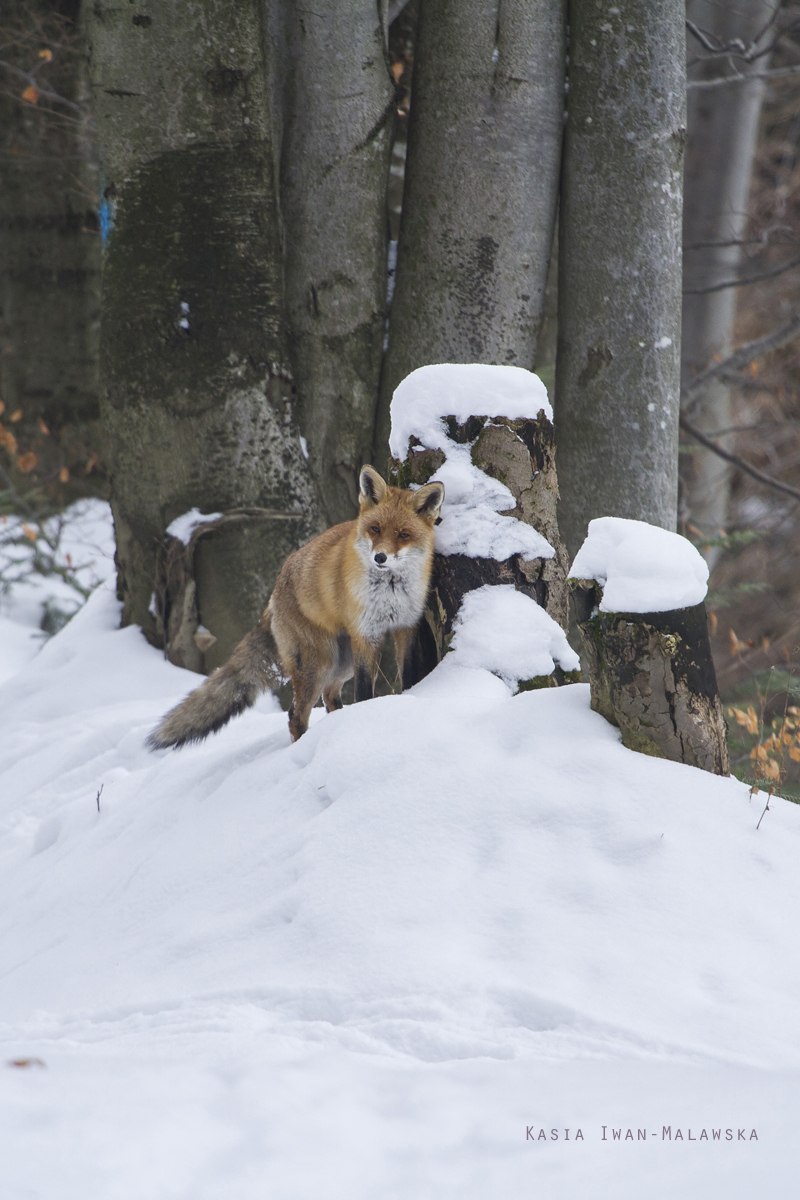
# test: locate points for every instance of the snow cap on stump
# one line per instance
(641, 568)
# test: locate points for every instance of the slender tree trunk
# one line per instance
(617, 376)
(481, 187)
(723, 129)
(49, 249)
(335, 163)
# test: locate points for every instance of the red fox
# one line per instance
(334, 601)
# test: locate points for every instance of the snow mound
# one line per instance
(503, 631)
(472, 522)
(641, 568)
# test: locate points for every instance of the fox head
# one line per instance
(395, 526)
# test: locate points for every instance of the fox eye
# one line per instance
(403, 534)
(374, 528)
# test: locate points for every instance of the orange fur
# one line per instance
(333, 603)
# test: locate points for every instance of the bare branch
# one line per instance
(734, 362)
(770, 273)
(742, 464)
(33, 82)
(744, 355)
(773, 73)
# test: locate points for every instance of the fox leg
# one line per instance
(332, 696)
(306, 688)
(365, 670)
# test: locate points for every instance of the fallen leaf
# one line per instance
(16, 415)
(31, 94)
(47, 55)
(26, 462)
(8, 440)
(26, 1062)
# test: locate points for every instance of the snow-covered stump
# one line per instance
(487, 433)
(639, 595)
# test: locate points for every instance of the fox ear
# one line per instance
(428, 500)
(371, 488)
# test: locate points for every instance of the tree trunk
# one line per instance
(652, 675)
(723, 129)
(481, 187)
(521, 454)
(49, 252)
(198, 398)
(339, 104)
(619, 303)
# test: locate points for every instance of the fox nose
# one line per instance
(380, 558)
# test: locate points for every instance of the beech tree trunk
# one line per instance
(521, 454)
(481, 185)
(723, 130)
(619, 301)
(652, 675)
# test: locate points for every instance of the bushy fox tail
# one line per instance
(253, 667)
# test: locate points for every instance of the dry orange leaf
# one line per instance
(26, 1062)
(712, 622)
(92, 463)
(47, 55)
(8, 440)
(30, 532)
(26, 462)
(771, 769)
(397, 70)
(31, 94)
(2, 408)
(754, 369)
(63, 474)
(16, 415)
(794, 754)
(736, 646)
(42, 425)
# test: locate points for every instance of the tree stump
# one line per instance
(652, 675)
(520, 454)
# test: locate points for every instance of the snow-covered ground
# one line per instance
(386, 962)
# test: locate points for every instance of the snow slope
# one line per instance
(364, 965)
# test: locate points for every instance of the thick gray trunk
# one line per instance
(481, 187)
(198, 398)
(723, 129)
(334, 169)
(49, 253)
(619, 303)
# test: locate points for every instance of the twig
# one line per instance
(99, 794)
(766, 808)
(744, 355)
(741, 463)
(722, 80)
(729, 283)
(33, 82)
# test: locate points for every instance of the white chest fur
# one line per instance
(392, 596)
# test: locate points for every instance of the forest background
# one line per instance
(68, 142)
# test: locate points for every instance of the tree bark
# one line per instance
(49, 250)
(521, 454)
(619, 303)
(722, 134)
(652, 675)
(339, 104)
(481, 187)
